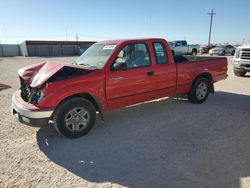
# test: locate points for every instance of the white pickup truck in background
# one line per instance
(241, 60)
(180, 47)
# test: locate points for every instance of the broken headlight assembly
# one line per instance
(36, 97)
(39, 96)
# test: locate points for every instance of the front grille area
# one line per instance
(28, 93)
(25, 90)
(245, 54)
(245, 65)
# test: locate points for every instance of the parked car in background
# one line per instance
(180, 47)
(110, 75)
(241, 61)
(205, 49)
(222, 50)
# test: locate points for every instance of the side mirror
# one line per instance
(119, 64)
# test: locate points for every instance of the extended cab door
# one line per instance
(165, 70)
(131, 78)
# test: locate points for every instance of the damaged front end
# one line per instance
(29, 94)
(33, 79)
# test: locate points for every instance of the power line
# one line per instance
(211, 23)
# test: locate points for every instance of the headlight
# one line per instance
(237, 54)
(40, 96)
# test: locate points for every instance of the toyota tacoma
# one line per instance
(110, 75)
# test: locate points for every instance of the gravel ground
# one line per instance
(165, 143)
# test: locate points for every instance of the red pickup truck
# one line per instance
(110, 75)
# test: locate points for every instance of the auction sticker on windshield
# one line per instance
(109, 47)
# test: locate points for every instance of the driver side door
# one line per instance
(131, 78)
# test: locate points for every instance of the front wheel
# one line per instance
(239, 73)
(199, 91)
(75, 117)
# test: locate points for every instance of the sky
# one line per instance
(114, 19)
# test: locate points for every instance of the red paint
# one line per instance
(205, 49)
(136, 86)
(4, 86)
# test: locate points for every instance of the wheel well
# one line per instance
(209, 77)
(204, 75)
(194, 50)
(85, 96)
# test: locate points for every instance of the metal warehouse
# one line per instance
(53, 48)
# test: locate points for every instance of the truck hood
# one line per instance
(36, 75)
(244, 46)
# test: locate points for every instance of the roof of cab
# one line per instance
(119, 41)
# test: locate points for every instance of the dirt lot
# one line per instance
(167, 143)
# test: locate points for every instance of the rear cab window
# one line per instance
(184, 43)
(160, 53)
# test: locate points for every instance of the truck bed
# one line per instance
(189, 67)
(188, 58)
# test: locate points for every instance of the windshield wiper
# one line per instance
(88, 65)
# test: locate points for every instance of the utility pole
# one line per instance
(211, 23)
(77, 37)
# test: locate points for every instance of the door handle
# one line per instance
(116, 78)
(151, 73)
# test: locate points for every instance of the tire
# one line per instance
(194, 52)
(223, 53)
(233, 52)
(239, 73)
(199, 91)
(80, 115)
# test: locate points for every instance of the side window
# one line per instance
(160, 53)
(178, 43)
(132, 56)
(184, 43)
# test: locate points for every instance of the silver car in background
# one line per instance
(222, 50)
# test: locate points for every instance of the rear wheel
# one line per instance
(75, 117)
(239, 73)
(194, 52)
(199, 91)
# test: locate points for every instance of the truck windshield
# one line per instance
(97, 55)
